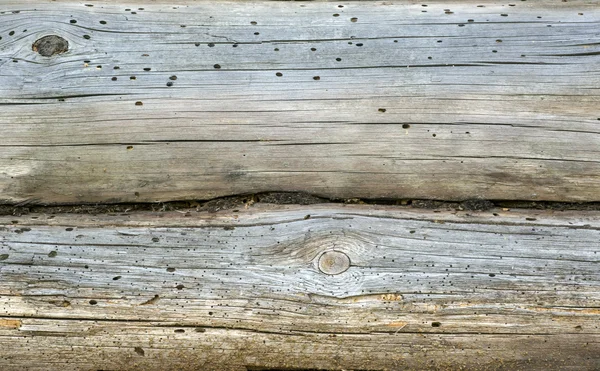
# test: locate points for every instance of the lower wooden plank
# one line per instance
(253, 289)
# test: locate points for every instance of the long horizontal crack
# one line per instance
(281, 198)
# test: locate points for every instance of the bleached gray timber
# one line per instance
(156, 101)
(244, 290)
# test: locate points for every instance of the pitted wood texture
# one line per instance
(444, 100)
(498, 290)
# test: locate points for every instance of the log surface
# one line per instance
(245, 290)
(155, 101)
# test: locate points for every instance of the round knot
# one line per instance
(50, 45)
(334, 262)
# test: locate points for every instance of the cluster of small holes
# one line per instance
(415, 274)
(171, 78)
(217, 66)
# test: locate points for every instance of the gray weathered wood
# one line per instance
(452, 100)
(505, 289)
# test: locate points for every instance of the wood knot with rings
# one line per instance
(334, 262)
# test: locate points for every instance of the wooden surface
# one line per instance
(243, 290)
(452, 100)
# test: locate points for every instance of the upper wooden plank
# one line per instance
(156, 102)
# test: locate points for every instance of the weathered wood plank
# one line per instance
(505, 289)
(482, 99)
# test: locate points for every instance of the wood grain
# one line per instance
(452, 100)
(242, 290)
